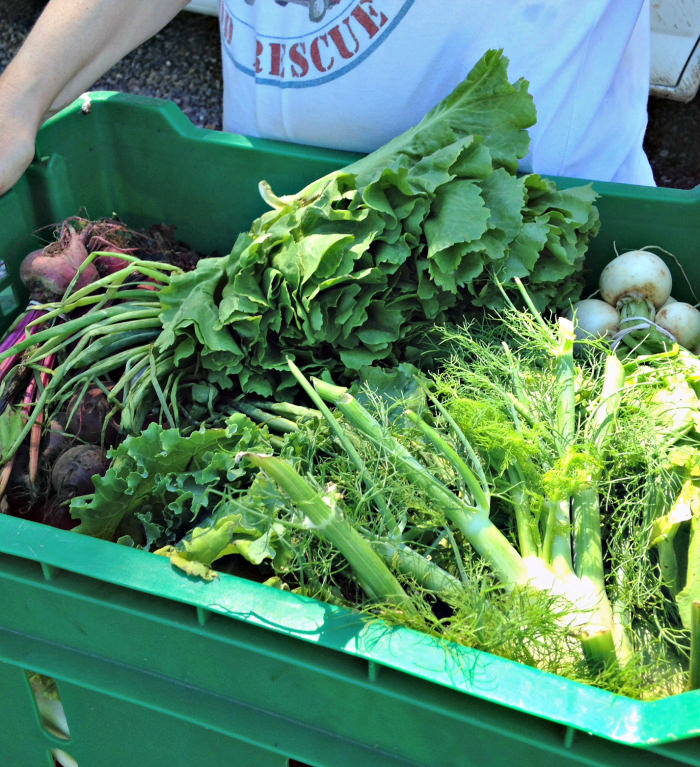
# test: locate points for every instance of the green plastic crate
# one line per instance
(154, 668)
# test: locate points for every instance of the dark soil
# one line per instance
(672, 142)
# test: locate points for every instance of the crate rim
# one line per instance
(178, 121)
(498, 680)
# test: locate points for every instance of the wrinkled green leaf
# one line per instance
(164, 480)
(426, 224)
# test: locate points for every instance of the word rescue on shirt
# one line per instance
(326, 38)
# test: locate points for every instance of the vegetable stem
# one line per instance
(321, 513)
(560, 512)
(406, 560)
(588, 548)
(694, 673)
(389, 519)
(472, 521)
(481, 500)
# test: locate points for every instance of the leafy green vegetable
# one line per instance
(12, 424)
(545, 463)
(244, 522)
(336, 275)
(160, 482)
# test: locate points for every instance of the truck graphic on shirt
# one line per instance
(317, 8)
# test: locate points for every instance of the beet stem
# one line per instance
(5, 474)
(35, 434)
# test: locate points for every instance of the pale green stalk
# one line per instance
(320, 513)
(272, 421)
(524, 521)
(473, 457)
(286, 409)
(481, 499)
(68, 328)
(426, 573)
(694, 671)
(389, 520)
(471, 520)
(565, 433)
(588, 547)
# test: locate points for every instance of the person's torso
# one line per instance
(351, 74)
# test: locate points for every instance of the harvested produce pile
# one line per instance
(371, 401)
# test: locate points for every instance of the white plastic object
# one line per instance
(675, 49)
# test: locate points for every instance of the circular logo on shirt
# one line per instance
(298, 43)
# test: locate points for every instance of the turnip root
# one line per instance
(638, 283)
(637, 275)
(74, 469)
(594, 318)
(681, 320)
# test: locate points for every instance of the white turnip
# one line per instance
(594, 318)
(636, 276)
(681, 320)
(638, 283)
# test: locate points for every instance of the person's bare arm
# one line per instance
(71, 45)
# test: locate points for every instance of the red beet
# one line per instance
(89, 416)
(73, 471)
(48, 272)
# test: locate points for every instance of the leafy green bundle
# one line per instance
(335, 275)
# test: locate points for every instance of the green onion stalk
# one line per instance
(91, 334)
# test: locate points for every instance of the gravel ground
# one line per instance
(183, 63)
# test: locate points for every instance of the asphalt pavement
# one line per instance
(183, 63)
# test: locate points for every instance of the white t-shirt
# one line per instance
(352, 74)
